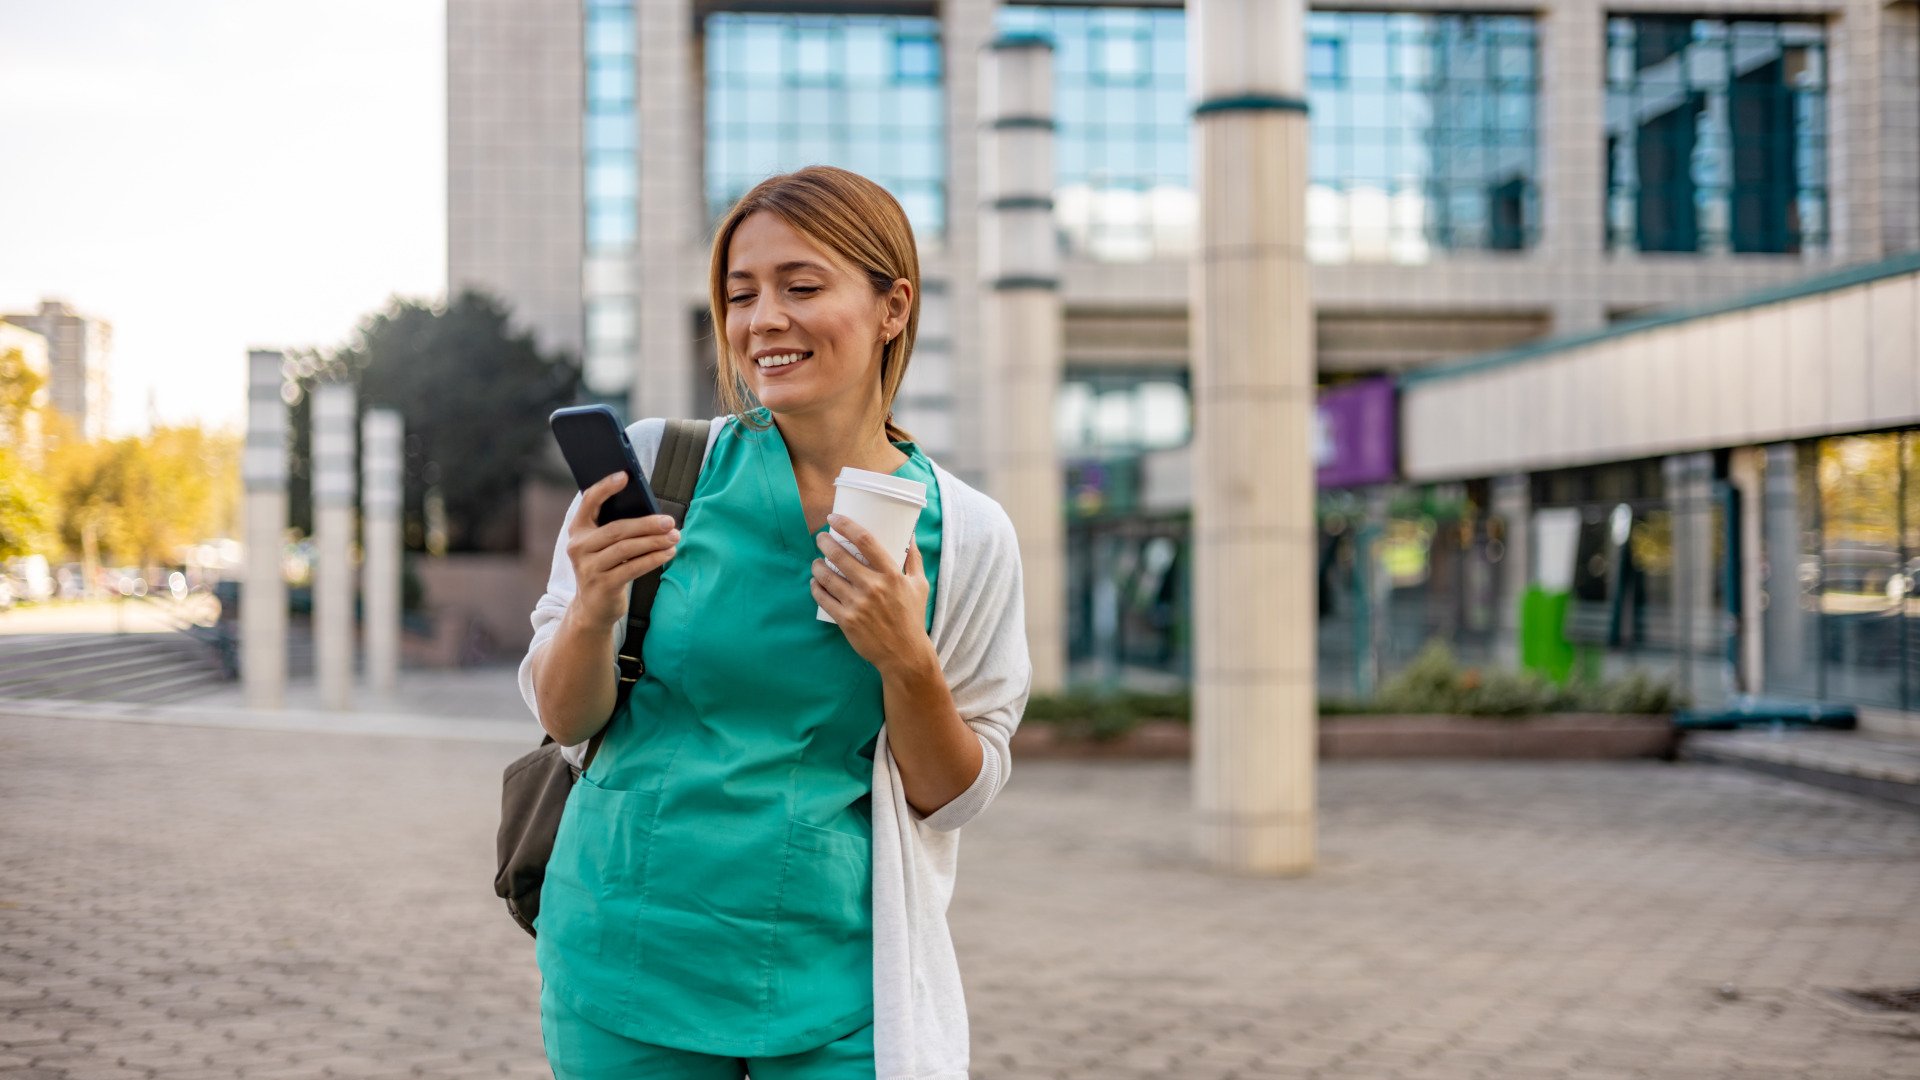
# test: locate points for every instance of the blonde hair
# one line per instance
(853, 218)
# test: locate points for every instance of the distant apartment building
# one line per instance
(79, 352)
(1480, 177)
(31, 348)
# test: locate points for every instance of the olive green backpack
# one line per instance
(534, 789)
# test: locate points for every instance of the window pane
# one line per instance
(859, 91)
(1718, 134)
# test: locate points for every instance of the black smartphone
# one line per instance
(596, 446)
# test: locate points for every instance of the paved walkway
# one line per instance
(476, 693)
(188, 902)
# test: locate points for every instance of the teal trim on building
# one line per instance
(1015, 123)
(1251, 103)
(1863, 274)
(1021, 202)
(1021, 41)
(1009, 284)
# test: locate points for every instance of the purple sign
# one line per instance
(1354, 435)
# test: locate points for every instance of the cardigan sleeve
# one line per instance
(989, 669)
(645, 436)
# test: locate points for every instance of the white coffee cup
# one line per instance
(885, 505)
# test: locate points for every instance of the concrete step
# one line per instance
(139, 667)
(1878, 765)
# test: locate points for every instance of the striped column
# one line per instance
(263, 601)
(1254, 712)
(333, 423)
(380, 435)
(1022, 331)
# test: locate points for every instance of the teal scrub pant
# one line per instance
(579, 1049)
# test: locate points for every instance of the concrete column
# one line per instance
(925, 404)
(380, 486)
(1573, 144)
(1900, 128)
(1020, 308)
(966, 27)
(1747, 471)
(1513, 505)
(1792, 617)
(1853, 126)
(1700, 625)
(1255, 720)
(673, 217)
(1378, 586)
(263, 599)
(333, 543)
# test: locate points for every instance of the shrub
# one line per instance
(1090, 714)
(1433, 683)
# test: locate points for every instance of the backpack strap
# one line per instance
(676, 472)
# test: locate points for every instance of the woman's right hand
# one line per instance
(608, 558)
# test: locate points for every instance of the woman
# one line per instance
(752, 876)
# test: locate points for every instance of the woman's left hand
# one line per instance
(882, 610)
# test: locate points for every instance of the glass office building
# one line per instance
(610, 142)
(1478, 179)
(1716, 134)
(1122, 155)
(1424, 135)
(1424, 132)
(864, 92)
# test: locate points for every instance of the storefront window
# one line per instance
(1436, 562)
(1100, 412)
(1862, 568)
(1910, 576)
(1627, 529)
(1842, 559)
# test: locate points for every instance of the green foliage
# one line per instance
(1638, 692)
(20, 385)
(139, 499)
(1086, 714)
(1433, 683)
(475, 396)
(26, 508)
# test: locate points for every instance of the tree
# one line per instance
(26, 508)
(26, 504)
(143, 498)
(475, 395)
(20, 386)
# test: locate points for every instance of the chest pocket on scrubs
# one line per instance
(600, 852)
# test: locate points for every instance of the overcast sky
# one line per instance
(214, 175)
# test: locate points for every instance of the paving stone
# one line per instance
(204, 905)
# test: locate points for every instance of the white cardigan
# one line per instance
(979, 632)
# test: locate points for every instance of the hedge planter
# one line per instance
(1545, 737)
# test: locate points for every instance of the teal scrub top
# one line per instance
(710, 888)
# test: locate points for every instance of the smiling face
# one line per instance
(805, 329)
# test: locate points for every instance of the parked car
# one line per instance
(32, 578)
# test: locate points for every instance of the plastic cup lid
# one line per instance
(898, 487)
